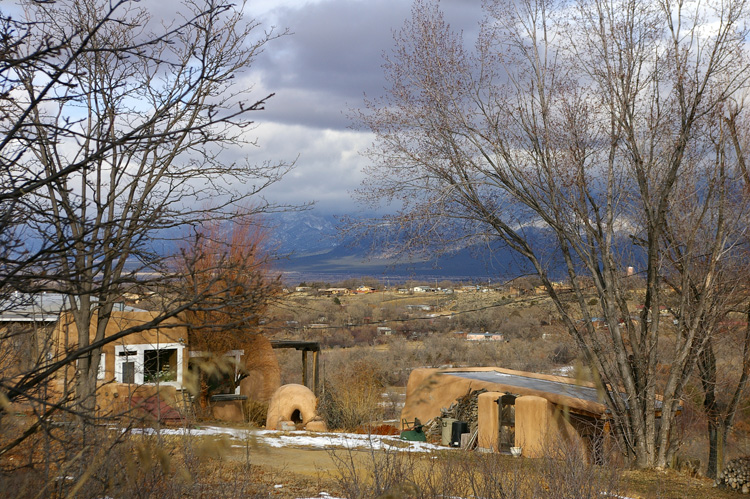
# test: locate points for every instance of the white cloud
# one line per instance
(328, 166)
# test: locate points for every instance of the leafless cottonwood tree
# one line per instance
(702, 216)
(586, 122)
(114, 132)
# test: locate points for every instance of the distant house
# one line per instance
(485, 337)
(423, 308)
(385, 330)
(365, 289)
(26, 325)
(422, 289)
(335, 291)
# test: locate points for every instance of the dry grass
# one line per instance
(107, 462)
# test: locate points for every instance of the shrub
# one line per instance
(352, 395)
(255, 412)
(564, 473)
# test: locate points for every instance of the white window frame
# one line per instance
(138, 358)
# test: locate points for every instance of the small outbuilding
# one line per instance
(534, 412)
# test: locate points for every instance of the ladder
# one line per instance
(188, 408)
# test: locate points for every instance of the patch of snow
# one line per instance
(564, 371)
(320, 440)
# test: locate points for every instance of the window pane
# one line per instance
(160, 365)
(128, 372)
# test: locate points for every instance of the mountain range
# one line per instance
(313, 249)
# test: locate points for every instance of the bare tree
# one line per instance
(114, 138)
(567, 135)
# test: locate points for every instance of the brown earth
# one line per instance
(309, 471)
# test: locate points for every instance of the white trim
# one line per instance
(202, 353)
(138, 357)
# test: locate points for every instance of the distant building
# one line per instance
(336, 291)
(485, 337)
(423, 308)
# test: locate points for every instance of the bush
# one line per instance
(255, 412)
(390, 473)
(109, 462)
(352, 395)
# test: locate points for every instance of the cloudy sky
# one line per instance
(318, 73)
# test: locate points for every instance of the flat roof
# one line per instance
(543, 385)
(570, 389)
(40, 307)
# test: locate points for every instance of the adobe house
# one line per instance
(533, 411)
(162, 357)
(26, 326)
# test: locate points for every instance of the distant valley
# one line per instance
(312, 249)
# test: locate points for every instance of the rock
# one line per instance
(287, 426)
(316, 425)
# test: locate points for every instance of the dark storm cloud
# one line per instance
(335, 55)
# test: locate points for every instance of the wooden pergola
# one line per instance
(304, 347)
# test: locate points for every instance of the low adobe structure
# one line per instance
(519, 409)
(294, 404)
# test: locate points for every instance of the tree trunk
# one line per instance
(716, 439)
(707, 370)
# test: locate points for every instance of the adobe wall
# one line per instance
(541, 427)
(66, 333)
(488, 418)
(262, 365)
(428, 391)
(114, 399)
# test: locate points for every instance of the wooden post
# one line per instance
(316, 372)
(304, 367)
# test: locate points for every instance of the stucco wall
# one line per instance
(488, 420)
(542, 428)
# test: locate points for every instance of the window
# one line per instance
(160, 365)
(126, 362)
(101, 370)
(142, 364)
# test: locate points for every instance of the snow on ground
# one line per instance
(305, 439)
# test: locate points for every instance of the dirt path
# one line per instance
(299, 472)
(305, 461)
